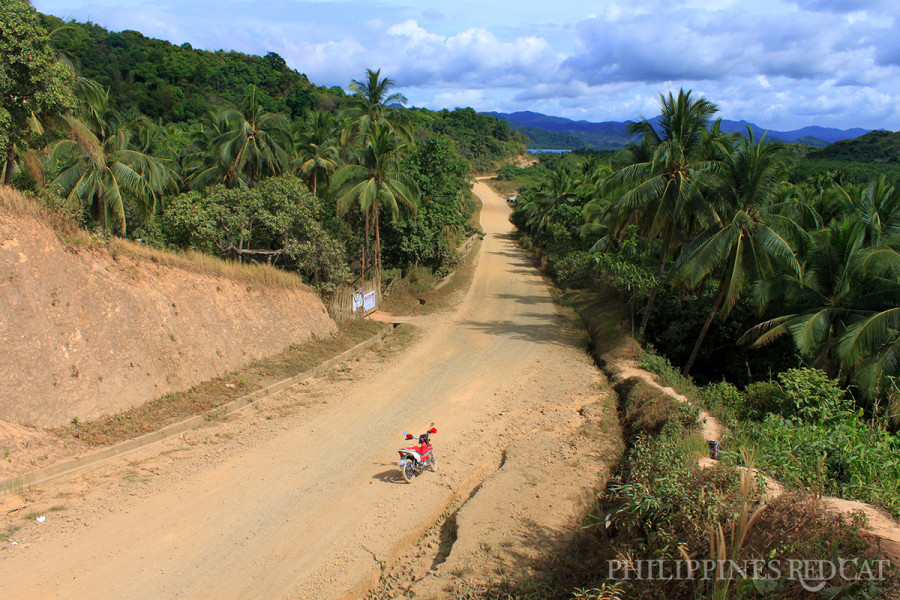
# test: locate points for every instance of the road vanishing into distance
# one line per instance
(302, 498)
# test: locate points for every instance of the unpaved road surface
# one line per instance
(299, 496)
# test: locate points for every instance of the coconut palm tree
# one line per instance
(824, 300)
(199, 162)
(664, 185)
(371, 103)
(742, 244)
(317, 143)
(100, 170)
(375, 183)
(877, 205)
(589, 178)
(871, 346)
(556, 187)
(249, 144)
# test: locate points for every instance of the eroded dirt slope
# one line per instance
(83, 334)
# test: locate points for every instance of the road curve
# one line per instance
(316, 511)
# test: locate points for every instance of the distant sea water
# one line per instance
(540, 150)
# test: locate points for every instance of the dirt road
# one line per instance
(300, 497)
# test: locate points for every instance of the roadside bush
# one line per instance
(669, 375)
(576, 270)
(757, 400)
(811, 434)
(665, 501)
(765, 397)
(857, 462)
(648, 409)
(508, 172)
(557, 239)
(816, 397)
(421, 279)
(724, 400)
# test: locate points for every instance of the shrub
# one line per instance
(859, 463)
(816, 397)
(765, 397)
(648, 409)
(665, 500)
(724, 400)
(576, 270)
(421, 279)
(669, 375)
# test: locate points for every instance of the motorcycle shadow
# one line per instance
(390, 476)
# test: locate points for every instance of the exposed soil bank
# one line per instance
(84, 333)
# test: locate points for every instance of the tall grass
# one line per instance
(263, 276)
(48, 209)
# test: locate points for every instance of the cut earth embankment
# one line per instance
(86, 330)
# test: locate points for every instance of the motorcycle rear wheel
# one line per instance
(408, 472)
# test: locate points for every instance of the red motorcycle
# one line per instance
(415, 459)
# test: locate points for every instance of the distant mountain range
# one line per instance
(557, 133)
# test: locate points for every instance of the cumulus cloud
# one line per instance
(780, 63)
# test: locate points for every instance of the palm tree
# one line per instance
(877, 205)
(376, 182)
(871, 346)
(199, 162)
(592, 171)
(664, 185)
(317, 149)
(371, 103)
(249, 144)
(828, 296)
(741, 245)
(101, 169)
(557, 187)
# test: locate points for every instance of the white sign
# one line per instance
(369, 301)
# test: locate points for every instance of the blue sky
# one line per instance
(780, 64)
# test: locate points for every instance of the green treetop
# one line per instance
(32, 82)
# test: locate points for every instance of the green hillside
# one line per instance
(179, 83)
(873, 147)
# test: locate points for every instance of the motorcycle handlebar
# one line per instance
(410, 436)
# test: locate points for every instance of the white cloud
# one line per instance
(781, 63)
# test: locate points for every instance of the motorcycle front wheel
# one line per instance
(431, 465)
(408, 471)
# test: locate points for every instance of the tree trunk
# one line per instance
(652, 298)
(10, 159)
(720, 296)
(101, 210)
(365, 252)
(315, 172)
(377, 255)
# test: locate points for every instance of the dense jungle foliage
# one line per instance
(730, 269)
(235, 155)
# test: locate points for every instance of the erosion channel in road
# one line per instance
(299, 496)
